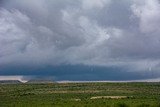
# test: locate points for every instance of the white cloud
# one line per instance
(87, 4)
(148, 14)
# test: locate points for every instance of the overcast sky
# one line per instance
(80, 39)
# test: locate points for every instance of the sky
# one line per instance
(80, 40)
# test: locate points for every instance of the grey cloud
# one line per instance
(67, 32)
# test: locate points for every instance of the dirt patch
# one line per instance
(86, 91)
(109, 97)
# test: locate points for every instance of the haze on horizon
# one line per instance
(80, 39)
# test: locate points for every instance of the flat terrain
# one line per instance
(80, 95)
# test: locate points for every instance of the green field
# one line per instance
(80, 95)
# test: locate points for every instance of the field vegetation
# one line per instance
(80, 95)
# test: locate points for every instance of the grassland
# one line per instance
(80, 95)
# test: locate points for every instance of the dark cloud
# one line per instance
(78, 73)
(103, 33)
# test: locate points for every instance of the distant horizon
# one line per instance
(20, 78)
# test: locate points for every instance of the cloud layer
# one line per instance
(108, 33)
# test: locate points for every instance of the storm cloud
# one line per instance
(123, 35)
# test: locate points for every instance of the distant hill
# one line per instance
(40, 81)
(10, 82)
(30, 81)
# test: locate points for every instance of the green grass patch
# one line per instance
(80, 94)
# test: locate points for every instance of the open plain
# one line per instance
(80, 95)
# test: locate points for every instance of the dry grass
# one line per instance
(109, 97)
(78, 91)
